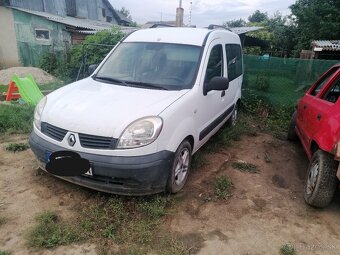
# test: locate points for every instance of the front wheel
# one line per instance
(180, 168)
(321, 181)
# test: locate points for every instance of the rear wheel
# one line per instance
(291, 135)
(234, 116)
(180, 168)
(321, 181)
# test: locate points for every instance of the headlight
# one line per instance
(140, 133)
(38, 111)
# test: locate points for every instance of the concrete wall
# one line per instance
(8, 48)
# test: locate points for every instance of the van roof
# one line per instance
(178, 35)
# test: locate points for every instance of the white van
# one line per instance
(157, 97)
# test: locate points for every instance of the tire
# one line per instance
(291, 135)
(180, 168)
(231, 122)
(321, 181)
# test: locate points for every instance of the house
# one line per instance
(325, 49)
(31, 27)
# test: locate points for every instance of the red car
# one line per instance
(316, 122)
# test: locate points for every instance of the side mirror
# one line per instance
(92, 68)
(216, 83)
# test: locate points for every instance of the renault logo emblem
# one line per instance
(71, 140)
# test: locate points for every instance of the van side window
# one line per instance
(234, 60)
(215, 64)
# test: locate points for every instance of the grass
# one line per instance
(16, 119)
(50, 232)
(132, 223)
(245, 167)
(223, 186)
(287, 249)
(51, 86)
(16, 147)
(5, 253)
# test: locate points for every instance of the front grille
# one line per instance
(97, 142)
(53, 131)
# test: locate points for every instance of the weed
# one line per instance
(3, 220)
(51, 232)
(171, 245)
(245, 167)
(5, 253)
(287, 249)
(223, 185)
(16, 147)
(153, 208)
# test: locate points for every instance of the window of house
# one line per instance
(234, 60)
(108, 19)
(103, 12)
(215, 64)
(42, 34)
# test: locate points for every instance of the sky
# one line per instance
(204, 12)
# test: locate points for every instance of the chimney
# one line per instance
(179, 15)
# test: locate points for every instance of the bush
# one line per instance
(262, 81)
(65, 65)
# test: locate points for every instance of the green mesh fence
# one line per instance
(281, 81)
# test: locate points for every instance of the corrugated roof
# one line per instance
(70, 21)
(330, 45)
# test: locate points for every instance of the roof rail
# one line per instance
(161, 25)
(212, 26)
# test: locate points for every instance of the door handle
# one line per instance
(223, 93)
(318, 116)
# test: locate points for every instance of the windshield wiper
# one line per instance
(111, 80)
(146, 85)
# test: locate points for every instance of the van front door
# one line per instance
(214, 107)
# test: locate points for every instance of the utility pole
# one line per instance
(179, 15)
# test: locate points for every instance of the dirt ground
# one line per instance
(265, 211)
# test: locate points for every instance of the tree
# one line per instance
(258, 17)
(125, 12)
(235, 23)
(315, 20)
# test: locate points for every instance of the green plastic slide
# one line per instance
(28, 89)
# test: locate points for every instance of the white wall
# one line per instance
(8, 43)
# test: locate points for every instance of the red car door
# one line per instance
(313, 110)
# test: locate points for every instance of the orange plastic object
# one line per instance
(12, 92)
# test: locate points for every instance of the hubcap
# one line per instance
(312, 177)
(182, 166)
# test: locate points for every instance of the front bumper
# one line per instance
(135, 175)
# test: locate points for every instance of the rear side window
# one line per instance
(333, 93)
(215, 64)
(234, 60)
(322, 82)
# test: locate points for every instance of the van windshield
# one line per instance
(153, 65)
